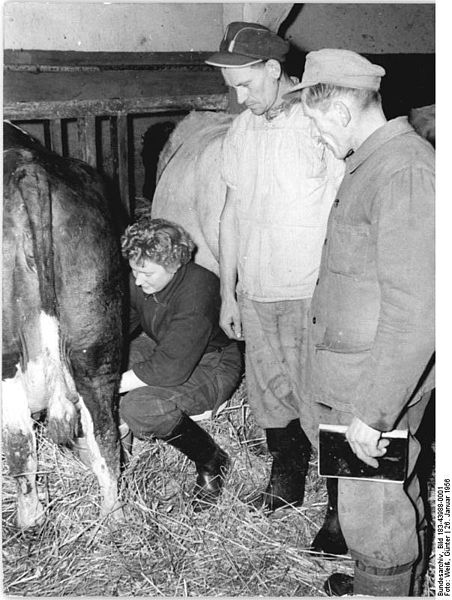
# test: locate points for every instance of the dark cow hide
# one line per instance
(62, 315)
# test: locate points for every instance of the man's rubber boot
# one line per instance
(421, 566)
(339, 584)
(211, 461)
(369, 584)
(291, 450)
(365, 583)
(329, 539)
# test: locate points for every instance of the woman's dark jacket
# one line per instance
(183, 321)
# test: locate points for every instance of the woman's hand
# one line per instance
(129, 381)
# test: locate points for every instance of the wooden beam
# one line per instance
(79, 86)
(64, 60)
(110, 107)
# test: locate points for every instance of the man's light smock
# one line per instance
(285, 181)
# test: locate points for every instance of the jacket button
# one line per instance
(314, 320)
(336, 202)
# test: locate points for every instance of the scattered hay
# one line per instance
(163, 548)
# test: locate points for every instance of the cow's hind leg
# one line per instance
(65, 406)
(19, 444)
(96, 461)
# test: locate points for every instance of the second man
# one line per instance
(281, 183)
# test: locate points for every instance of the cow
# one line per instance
(190, 190)
(423, 121)
(62, 316)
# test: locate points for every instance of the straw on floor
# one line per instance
(162, 548)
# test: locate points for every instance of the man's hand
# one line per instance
(129, 381)
(366, 442)
(230, 320)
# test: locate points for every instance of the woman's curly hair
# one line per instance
(165, 243)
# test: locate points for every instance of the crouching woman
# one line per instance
(180, 363)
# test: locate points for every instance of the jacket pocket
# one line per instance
(348, 249)
(335, 376)
(346, 340)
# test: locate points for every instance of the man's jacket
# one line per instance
(371, 328)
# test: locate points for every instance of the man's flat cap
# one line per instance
(245, 44)
(340, 67)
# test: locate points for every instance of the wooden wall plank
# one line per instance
(56, 135)
(86, 129)
(123, 160)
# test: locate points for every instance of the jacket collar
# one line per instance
(378, 138)
(163, 296)
(286, 103)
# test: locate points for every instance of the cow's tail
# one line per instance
(36, 193)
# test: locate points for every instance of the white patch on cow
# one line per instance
(190, 189)
(58, 385)
(56, 370)
(47, 383)
(107, 482)
(46, 377)
(16, 422)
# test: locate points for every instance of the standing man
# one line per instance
(281, 183)
(371, 323)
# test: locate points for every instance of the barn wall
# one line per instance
(366, 28)
(166, 27)
(398, 36)
(125, 27)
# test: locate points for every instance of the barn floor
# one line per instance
(162, 548)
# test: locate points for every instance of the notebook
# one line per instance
(337, 459)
